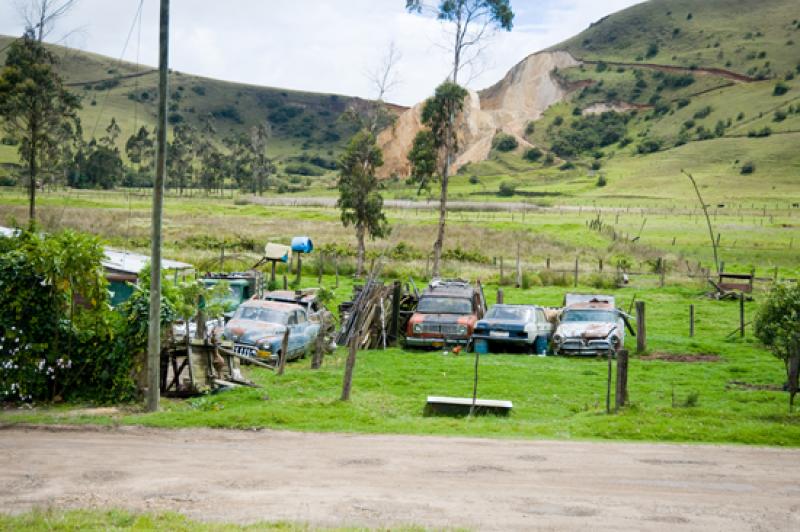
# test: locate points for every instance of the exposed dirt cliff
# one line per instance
(521, 96)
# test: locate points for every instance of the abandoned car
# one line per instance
(524, 326)
(446, 314)
(589, 325)
(308, 299)
(258, 326)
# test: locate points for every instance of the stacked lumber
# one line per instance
(367, 321)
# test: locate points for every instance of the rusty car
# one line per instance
(446, 314)
(589, 325)
(258, 326)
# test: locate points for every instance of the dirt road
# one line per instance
(338, 479)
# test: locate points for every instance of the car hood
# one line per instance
(586, 329)
(250, 331)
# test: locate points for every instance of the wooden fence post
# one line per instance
(284, 352)
(519, 269)
(394, 325)
(336, 268)
(621, 396)
(321, 268)
(576, 271)
(502, 274)
(641, 328)
(608, 383)
(285, 282)
(499, 296)
(741, 315)
(691, 321)
(319, 343)
(347, 383)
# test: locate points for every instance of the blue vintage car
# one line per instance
(524, 326)
(258, 326)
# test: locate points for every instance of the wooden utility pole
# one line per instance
(154, 330)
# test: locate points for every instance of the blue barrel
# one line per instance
(302, 244)
(481, 347)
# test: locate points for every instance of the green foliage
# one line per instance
(35, 107)
(359, 199)
(532, 154)
(601, 181)
(507, 189)
(703, 112)
(423, 157)
(649, 145)
(777, 322)
(765, 131)
(589, 133)
(464, 255)
(780, 89)
(504, 142)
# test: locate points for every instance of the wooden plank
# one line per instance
(242, 357)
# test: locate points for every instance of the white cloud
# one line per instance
(315, 45)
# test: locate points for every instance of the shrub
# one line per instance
(650, 145)
(778, 320)
(569, 165)
(557, 121)
(748, 168)
(763, 132)
(652, 50)
(550, 278)
(589, 133)
(601, 181)
(507, 189)
(779, 116)
(600, 281)
(549, 159)
(504, 142)
(596, 165)
(473, 180)
(703, 112)
(780, 89)
(199, 90)
(683, 102)
(530, 128)
(532, 154)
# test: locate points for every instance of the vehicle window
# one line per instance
(261, 314)
(293, 318)
(301, 317)
(589, 315)
(541, 317)
(509, 313)
(444, 305)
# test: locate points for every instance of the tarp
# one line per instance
(125, 261)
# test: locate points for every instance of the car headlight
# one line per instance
(557, 338)
(462, 330)
(614, 339)
(417, 328)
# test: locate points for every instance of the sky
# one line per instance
(326, 46)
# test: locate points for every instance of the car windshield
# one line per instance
(509, 313)
(262, 314)
(590, 315)
(444, 305)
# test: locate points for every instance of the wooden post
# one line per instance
(272, 274)
(600, 264)
(501, 270)
(475, 385)
(641, 328)
(691, 321)
(222, 258)
(608, 383)
(519, 268)
(394, 325)
(499, 296)
(741, 315)
(154, 318)
(284, 352)
(576, 271)
(285, 282)
(319, 344)
(662, 271)
(350, 365)
(794, 370)
(336, 267)
(547, 263)
(299, 267)
(321, 267)
(621, 396)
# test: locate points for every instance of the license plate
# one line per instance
(437, 344)
(499, 334)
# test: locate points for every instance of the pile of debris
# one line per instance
(367, 320)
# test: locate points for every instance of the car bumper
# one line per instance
(592, 348)
(416, 341)
(509, 340)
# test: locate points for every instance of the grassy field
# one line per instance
(102, 520)
(736, 398)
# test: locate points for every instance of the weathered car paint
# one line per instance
(533, 333)
(589, 337)
(432, 329)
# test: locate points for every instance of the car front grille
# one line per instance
(447, 329)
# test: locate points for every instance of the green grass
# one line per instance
(102, 520)
(554, 397)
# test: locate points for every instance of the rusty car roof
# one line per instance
(592, 305)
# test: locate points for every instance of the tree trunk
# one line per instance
(32, 177)
(360, 234)
(437, 246)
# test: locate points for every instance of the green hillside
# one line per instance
(699, 101)
(305, 126)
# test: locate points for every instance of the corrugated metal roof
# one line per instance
(125, 261)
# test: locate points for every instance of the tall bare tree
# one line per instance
(40, 16)
(469, 23)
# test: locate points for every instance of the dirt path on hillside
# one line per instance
(711, 71)
(338, 479)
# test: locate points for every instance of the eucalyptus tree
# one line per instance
(34, 106)
(468, 23)
(359, 197)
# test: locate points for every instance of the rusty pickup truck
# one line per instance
(446, 314)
